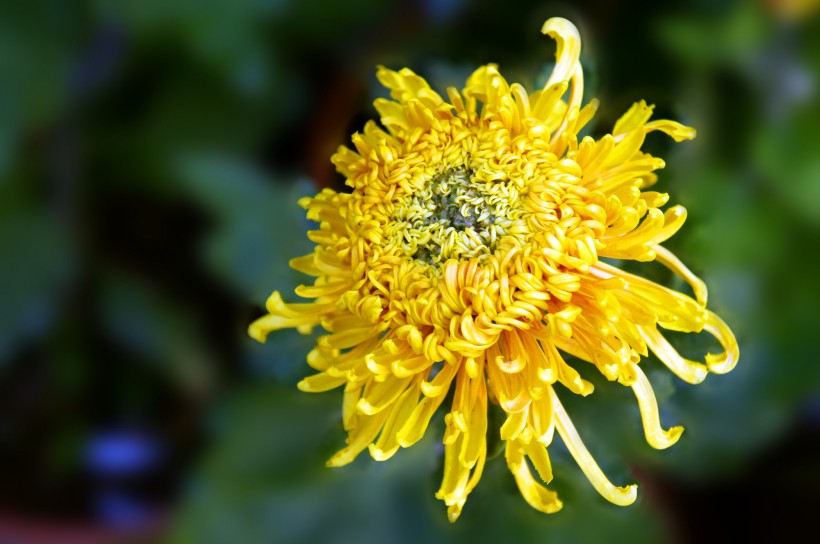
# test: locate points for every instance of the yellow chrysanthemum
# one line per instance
(467, 259)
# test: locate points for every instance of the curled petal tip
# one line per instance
(656, 436)
(720, 364)
(558, 26)
(726, 361)
(698, 373)
(673, 434)
(623, 496)
(568, 51)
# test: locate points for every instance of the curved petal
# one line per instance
(688, 371)
(655, 435)
(568, 48)
(622, 496)
(670, 261)
(726, 361)
(536, 495)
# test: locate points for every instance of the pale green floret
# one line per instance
(454, 215)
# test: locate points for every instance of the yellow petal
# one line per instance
(634, 118)
(387, 444)
(726, 361)
(275, 305)
(655, 435)
(686, 370)
(320, 382)
(537, 453)
(410, 366)
(454, 510)
(547, 101)
(413, 429)
(536, 495)
(456, 475)
(259, 329)
(350, 337)
(358, 440)
(622, 496)
(441, 382)
(643, 234)
(514, 424)
(670, 261)
(568, 48)
(378, 395)
(567, 375)
(677, 131)
(476, 434)
(542, 420)
(673, 220)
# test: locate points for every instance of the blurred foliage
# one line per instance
(151, 156)
(37, 264)
(251, 213)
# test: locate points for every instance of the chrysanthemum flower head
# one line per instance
(467, 261)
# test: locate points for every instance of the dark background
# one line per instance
(151, 153)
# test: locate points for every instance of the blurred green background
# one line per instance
(151, 153)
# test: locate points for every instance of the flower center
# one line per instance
(455, 215)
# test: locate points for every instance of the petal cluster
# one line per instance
(473, 253)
